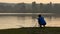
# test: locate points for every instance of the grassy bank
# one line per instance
(30, 30)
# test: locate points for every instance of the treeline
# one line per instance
(29, 8)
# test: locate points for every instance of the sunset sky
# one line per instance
(30, 1)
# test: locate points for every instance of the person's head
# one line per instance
(39, 15)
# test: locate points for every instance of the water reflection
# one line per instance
(26, 21)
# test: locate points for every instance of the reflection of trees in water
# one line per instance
(21, 18)
(34, 17)
(50, 18)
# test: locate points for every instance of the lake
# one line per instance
(26, 21)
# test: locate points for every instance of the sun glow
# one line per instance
(30, 1)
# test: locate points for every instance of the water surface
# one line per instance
(26, 21)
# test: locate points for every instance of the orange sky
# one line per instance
(29, 1)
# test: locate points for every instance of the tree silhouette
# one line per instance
(34, 7)
(41, 7)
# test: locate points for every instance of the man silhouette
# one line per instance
(41, 21)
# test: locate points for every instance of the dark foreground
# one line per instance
(30, 30)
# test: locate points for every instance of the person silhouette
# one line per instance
(41, 21)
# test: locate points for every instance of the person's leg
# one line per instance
(40, 25)
(43, 25)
